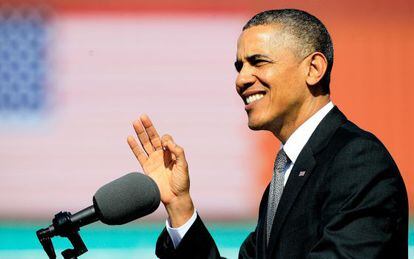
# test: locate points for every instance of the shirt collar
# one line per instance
(301, 135)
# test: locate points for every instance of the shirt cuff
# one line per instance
(177, 234)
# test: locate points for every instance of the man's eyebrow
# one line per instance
(255, 57)
(251, 59)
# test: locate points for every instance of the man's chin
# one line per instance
(256, 125)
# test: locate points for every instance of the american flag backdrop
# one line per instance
(23, 49)
(72, 84)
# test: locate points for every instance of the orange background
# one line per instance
(371, 80)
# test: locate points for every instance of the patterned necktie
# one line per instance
(276, 189)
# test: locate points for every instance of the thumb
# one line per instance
(178, 152)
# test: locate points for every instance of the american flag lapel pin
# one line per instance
(302, 173)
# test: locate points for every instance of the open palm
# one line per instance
(161, 159)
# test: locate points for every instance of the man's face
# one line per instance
(271, 79)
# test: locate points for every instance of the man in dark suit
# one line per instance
(336, 191)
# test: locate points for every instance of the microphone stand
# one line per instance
(63, 226)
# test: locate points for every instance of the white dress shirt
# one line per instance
(292, 148)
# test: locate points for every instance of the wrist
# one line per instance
(180, 210)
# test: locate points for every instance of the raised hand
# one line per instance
(164, 161)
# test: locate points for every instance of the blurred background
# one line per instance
(74, 75)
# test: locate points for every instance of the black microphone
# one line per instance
(125, 199)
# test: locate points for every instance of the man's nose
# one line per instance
(245, 78)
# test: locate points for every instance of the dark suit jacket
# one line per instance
(350, 203)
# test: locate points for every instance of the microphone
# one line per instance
(125, 199)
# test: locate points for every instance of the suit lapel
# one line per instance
(302, 170)
(261, 228)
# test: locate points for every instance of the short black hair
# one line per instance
(310, 32)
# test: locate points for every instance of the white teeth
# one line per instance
(253, 98)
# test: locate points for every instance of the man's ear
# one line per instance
(317, 68)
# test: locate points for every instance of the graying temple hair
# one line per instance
(309, 31)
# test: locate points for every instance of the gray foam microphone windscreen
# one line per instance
(127, 198)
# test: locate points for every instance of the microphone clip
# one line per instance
(63, 226)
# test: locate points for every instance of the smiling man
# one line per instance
(335, 191)
(279, 75)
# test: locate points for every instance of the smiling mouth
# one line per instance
(252, 98)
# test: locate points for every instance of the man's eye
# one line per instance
(259, 63)
(238, 66)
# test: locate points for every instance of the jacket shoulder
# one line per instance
(351, 138)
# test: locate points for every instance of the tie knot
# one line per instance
(281, 160)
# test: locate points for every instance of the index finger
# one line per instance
(151, 132)
(138, 152)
